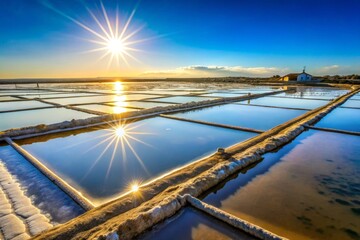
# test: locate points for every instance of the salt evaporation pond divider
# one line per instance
(190, 223)
(18, 105)
(45, 194)
(341, 119)
(309, 189)
(260, 118)
(104, 163)
(182, 99)
(41, 116)
(287, 103)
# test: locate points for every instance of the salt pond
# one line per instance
(105, 98)
(182, 99)
(287, 102)
(104, 163)
(107, 109)
(32, 117)
(309, 189)
(314, 92)
(221, 95)
(352, 104)
(7, 106)
(342, 119)
(143, 104)
(243, 116)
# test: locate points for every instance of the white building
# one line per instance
(300, 77)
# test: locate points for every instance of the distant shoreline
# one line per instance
(245, 80)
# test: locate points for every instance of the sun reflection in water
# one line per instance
(119, 140)
(134, 187)
(120, 102)
(118, 87)
(120, 132)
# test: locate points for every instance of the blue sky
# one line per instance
(39, 38)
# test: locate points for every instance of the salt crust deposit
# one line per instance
(132, 214)
(19, 218)
(44, 194)
(61, 183)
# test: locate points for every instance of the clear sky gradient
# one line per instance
(187, 38)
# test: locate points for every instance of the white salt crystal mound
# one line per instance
(11, 226)
(44, 194)
(19, 218)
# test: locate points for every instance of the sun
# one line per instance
(115, 46)
(112, 36)
(115, 38)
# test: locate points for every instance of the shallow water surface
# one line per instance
(287, 102)
(222, 95)
(41, 116)
(6, 106)
(356, 96)
(253, 91)
(60, 95)
(181, 99)
(139, 104)
(314, 92)
(352, 103)
(193, 224)
(342, 119)
(104, 163)
(309, 189)
(105, 98)
(107, 109)
(243, 116)
(6, 98)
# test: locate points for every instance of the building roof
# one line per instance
(292, 75)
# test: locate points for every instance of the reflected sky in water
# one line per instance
(193, 224)
(243, 116)
(342, 119)
(309, 189)
(102, 163)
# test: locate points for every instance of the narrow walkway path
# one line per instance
(19, 218)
